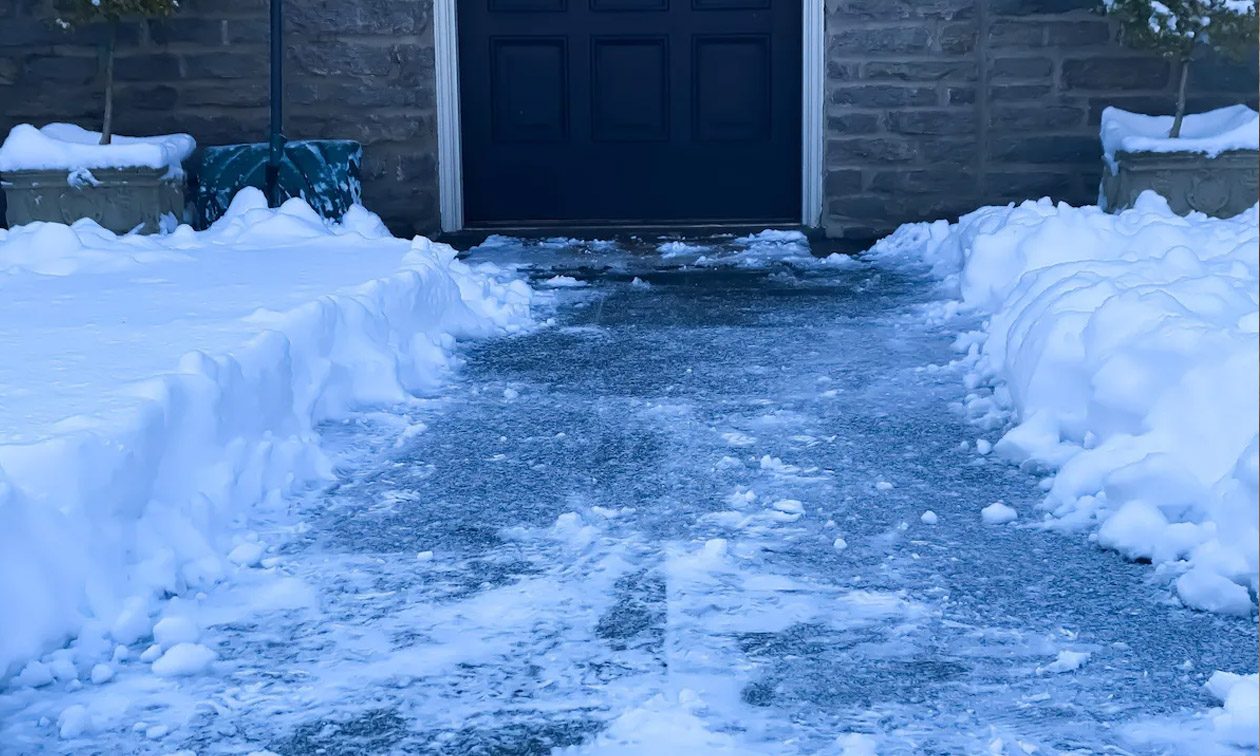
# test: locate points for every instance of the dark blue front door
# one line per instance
(629, 111)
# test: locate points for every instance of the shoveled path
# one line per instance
(634, 517)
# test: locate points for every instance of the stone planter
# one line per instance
(1221, 186)
(120, 199)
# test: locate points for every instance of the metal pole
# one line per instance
(276, 151)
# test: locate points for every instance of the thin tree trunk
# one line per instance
(1175, 132)
(107, 124)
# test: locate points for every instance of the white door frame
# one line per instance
(450, 150)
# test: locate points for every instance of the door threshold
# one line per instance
(477, 234)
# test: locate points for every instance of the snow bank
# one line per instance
(1120, 351)
(125, 468)
(64, 146)
(1233, 128)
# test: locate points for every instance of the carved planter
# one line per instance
(120, 199)
(1221, 186)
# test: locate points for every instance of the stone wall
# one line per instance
(360, 70)
(935, 107)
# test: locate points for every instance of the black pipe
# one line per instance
(276, 151)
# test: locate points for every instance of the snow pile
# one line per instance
(126, 469)
(1236, 127)
(769, 247)
(1238, 719)
(66, 147)
(1121, 352)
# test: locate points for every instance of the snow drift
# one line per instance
(136, 495)
(1119, 351)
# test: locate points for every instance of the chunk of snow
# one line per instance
(1203, 589)
(1066, 661)
(840, 544)
(285, 594)
(74, 721)
(247, 554)
(101, 674)
(132, 622)
(715, 547)
(1238, 720)
(34, 675)
(64, 146)
(983, 447)
(172, 630)
(929, 518)
(790, 506)
(184, 659)
(679, 248)
(424, 556)
(856, 744)
(562, 282)
(883, 485)
(998, 513)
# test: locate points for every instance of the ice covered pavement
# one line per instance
(686, 519)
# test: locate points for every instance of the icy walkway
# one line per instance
(688, 519)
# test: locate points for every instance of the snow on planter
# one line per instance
(66, 147)
(159, 389)
(1233, 128)
(1120, 353)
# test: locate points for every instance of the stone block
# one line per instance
(186, 30)
(852, 123)
(843, 181)
(883, 95)
(1036, 117)
(1040, 149)
(1020, 68)
(146, 67)
(860, 150)
(958, 38)
(43, 70)
(228, 64)
(864, 41)
(1022, 34)
(921, 70)
(1120, 73)
(924, 182)
(938, 122)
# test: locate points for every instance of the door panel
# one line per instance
(626, 111)
(529, 90)
(629, 89)
(732, 101)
